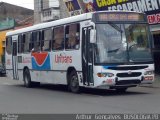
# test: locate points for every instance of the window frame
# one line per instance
(20, 44)
(9, 48)
(61, 33)
(71, 34)
(27, 42)
(44, 40)
(36, 41)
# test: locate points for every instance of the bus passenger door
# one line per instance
(14, 57)
(87, 57)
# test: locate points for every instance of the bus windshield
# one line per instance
(121, 43)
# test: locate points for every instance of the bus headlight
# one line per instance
(105, 74)
(149, 72)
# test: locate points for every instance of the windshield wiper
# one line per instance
(115, 26)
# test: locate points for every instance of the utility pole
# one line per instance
(37, 11)
(63, 10)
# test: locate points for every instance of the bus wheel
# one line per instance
(73, 82)
(121, 90)
(27, 79)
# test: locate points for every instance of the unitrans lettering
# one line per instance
(63, 59)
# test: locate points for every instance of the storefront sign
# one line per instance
(150, 7)
(88, 5)
(73, 7)
(7, 24)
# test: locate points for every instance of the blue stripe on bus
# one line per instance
(106, 67)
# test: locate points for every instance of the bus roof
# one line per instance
(72, 19)
(52, 23)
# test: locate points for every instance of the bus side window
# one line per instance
(46, 39)
(36, 41)
(20, 44)
(72, 38)
(26, 41)
(9, 45)
(31, 42)
(58, 41)
(66, 36)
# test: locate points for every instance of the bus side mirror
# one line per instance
(92, 36)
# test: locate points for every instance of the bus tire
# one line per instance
(121, 90)
(73, 82)
(27, 79)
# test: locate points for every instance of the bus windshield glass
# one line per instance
(122, 43)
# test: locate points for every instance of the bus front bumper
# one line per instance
(125, 83)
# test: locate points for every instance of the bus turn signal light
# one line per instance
(105, 74)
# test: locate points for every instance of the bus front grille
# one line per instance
(133, 74)
(128, 82)
(128, 68)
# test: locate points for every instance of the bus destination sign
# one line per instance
(102, 17)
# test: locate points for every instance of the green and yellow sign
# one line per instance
(7, 24)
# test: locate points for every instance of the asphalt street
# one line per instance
(15, 98)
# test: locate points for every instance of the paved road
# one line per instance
(15, 98)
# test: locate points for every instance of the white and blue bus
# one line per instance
(105, 49)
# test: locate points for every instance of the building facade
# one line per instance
(46, 10)
(12, 17)
(16, 12)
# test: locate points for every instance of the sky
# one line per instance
(23, 3)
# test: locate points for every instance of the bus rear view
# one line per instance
(122, 50)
